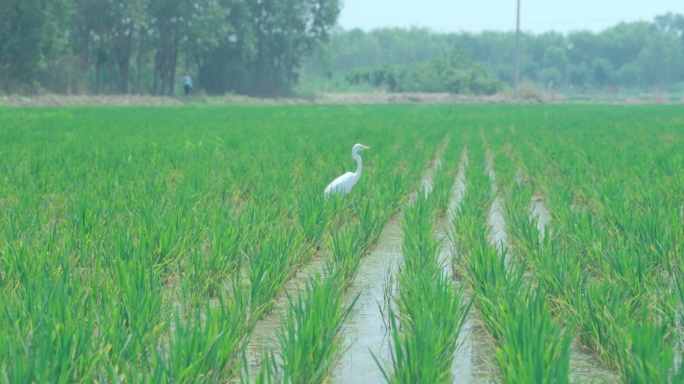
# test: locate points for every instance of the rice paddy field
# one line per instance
(492, 243)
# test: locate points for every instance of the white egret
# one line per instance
(344, 183)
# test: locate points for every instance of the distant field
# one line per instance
(156, 244)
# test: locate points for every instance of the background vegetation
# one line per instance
(638, 55)
(143, 46)
(264, 47)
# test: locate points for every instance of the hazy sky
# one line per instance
(477, 15)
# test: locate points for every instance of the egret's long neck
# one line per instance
(358, 164)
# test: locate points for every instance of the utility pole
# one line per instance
(517, 50)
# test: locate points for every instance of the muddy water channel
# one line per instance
(474, 361)
(367, 333)
(368, 330)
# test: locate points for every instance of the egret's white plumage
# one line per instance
(344, 183)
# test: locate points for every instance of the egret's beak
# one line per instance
(364, 147)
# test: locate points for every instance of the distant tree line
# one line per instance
(144, 46)
(453, 72)
(632, 55)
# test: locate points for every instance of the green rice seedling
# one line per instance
(506, 170)
(428, 308)
(271, 263)
(679, 329)
(206, 346)
(131, 321)
(314, 217)
(346, 247)
(372, 220)
(431, 321)
(650, 359)
(195, 283)
(49, 329)
(535, 348)
(443, 179)
(532, 347)
(604, 310)
(426, 349)
(226, 240)
(340, 208)
(388, 294)
(310, 343)
(397, 189)
(524, 236)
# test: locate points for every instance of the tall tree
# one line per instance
(31, 35)
(286, 31)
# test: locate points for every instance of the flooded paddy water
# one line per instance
(474, 361)
(367, 333)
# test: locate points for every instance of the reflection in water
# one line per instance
(474, 361)
(367, 333)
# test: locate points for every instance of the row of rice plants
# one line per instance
(615, 277)
(430, 312)
(625, 308)
(153, 257)
(136, 242)
(309, 336)
(309, 342)
(531, 345)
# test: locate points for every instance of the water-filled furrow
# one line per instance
(368, 331)
(474, 360)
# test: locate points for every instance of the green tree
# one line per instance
(551, 77)
(629, 75)
(555, 57)
(672, 25)
(31, 35)
(661, 62)
(602, 72)
(226, 66)
(286, 31)
(578, 75)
